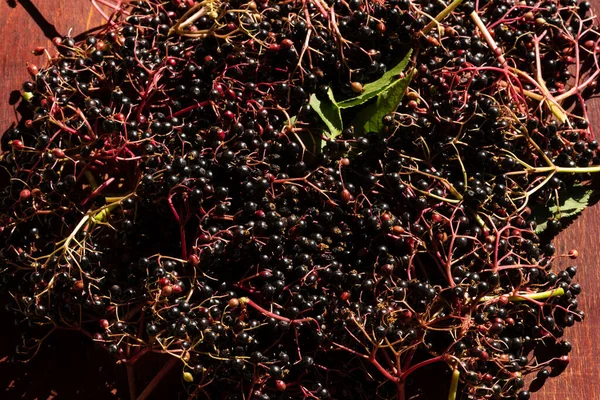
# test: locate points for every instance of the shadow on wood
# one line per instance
(47, 28)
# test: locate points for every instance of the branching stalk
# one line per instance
(528, 296)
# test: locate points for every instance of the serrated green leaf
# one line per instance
(329, 113)
(570, 204)
(372, 89)
(369, 119)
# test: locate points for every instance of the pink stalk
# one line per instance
(159, 377)
(422, 364)
(245, 300)
(98, 190)
(102, 13)
(488, 38)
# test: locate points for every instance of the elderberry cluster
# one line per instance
(170, 188)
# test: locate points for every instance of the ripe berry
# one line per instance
(58, 153)
(25, 194)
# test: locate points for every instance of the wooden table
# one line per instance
(25, 24)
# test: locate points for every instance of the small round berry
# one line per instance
(573, 254)
(281, 385)
(356, 87)
(25, 194)
(524, 395)
(543, 374)
(188, 377)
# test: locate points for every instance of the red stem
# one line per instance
(383, 371)
(98, 190)
(130, 380)
(190, 108)
(415, 367)
(400, 385)
(159, 377)
(273, 315)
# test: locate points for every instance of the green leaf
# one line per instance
(369, 119)
(372, 89)
(329, 113)
(570, 205)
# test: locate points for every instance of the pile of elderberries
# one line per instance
(307, 199)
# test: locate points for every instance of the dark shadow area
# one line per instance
(4, 146)
(47, 28)
(11, 3)
(536, 385)
(24, 113)
(420, 382)
(14, 97)
(70, 366)
(67, 366)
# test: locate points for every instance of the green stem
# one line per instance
(76, 230)
(112, 203)
(563, 170)
(529, 296)
(188, 18)
(535, 189)
(454, 384)
(101, 215)
(447, 200)
(440, 17)
(480, 220)
(578, 170)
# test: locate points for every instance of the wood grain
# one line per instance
(62, 373)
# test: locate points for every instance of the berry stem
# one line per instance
(400, 388)
(102, 13)
(138, 355)
(98, 189)
(159, 377)
(454, 384)
(578, 170)
(488, 38)
(383, 371)
(189, 17)
(559, 170)
(441, 16)
(92, 181)
(415, 367)
(75, 231)
(130, 380)
(528, 296)
(246, 300)
(104, 212)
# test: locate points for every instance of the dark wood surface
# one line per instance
(63, 373)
